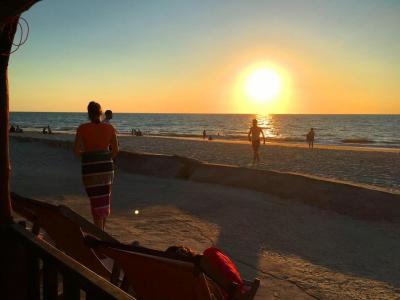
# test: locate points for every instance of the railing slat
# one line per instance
(71, 288)
(50, 281)
(33, 275)
(95, 295)
(76, 277)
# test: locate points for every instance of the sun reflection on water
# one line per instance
(266, 122)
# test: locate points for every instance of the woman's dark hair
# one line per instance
(94, 111)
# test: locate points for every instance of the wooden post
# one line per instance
(12, 255)
(10, 10)
(13, 278)
(6, 38)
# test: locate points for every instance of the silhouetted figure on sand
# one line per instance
(254, 137)
(204, 134)
(18, 129)
(136, 132)
(12, 128)
(310, 138)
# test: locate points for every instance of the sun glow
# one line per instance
(263, 85)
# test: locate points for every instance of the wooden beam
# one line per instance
(9, 9)
(6, 37)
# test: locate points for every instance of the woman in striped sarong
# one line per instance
(96, 143)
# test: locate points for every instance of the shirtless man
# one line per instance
(254, 138)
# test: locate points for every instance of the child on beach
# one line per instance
(310, 138)
(108, 117)
(254, 138)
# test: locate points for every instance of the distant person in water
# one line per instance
(12, 128)
(44, 131)
(204, 134)
(108, 116)
(49, 130)
(310, 138)
(96, 143)
(254, 137)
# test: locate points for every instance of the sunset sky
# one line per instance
(199, 56)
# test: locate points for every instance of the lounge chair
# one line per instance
(66, 230)
(154, 277)
(147, 269)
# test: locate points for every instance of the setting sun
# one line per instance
(263, 85)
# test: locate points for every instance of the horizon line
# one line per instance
(208, 113)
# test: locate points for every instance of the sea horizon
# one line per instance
(361, 130)
(211, 113)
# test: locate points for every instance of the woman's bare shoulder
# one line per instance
(83, 125)
(106, 127)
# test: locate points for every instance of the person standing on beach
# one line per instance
(204, 134)
(96, 143)
(254, 138)
(310, 138)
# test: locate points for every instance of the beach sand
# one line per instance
(298, 252)
(371, 167)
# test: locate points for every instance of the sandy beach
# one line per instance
(299, 252)
(371, 167)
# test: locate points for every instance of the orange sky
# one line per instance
(185, 65)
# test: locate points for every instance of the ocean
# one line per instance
(356, 130)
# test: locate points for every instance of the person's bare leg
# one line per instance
(102, 220)
(98, 222)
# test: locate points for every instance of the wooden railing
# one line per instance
(51, 273)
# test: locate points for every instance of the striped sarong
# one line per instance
(97, 176)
